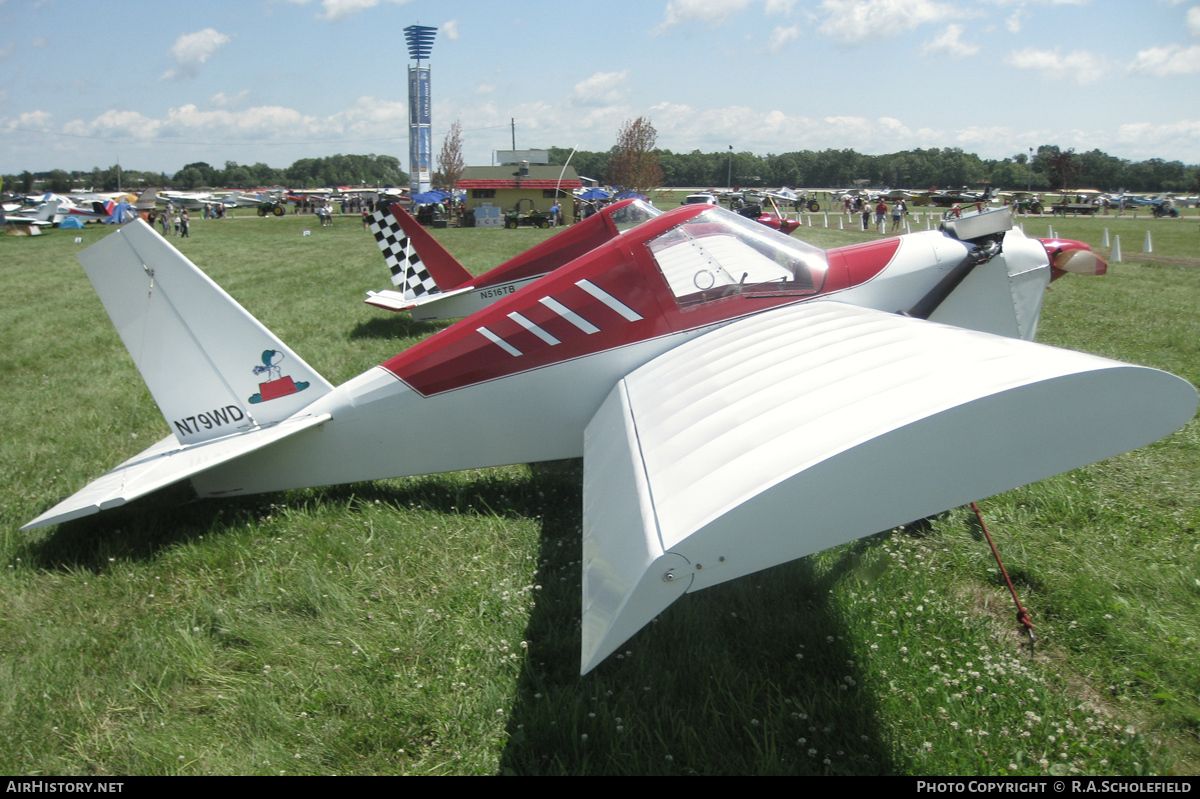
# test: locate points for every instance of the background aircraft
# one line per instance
(432, 284)
(764, 210)
(31, 223)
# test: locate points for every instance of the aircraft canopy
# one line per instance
(716, 254)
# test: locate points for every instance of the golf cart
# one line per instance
(531, 218)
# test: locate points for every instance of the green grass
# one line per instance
(431, 625)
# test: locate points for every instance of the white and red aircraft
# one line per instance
(739, 398)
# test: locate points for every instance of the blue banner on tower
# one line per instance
(419, 96)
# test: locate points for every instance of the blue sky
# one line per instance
(159, 85)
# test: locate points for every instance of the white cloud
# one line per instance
(191, 50)
(949, 42)
(268, 119)
(781, 36)
(1165, 61)
(29, 121)
(368, 117)
(6, 52)
(683, 127)
(1193, 20)
(1144, 140)
(111, 123)
(1079, 66)
(1013, 23)
(602, 88)
(1023, 3)
(485, 88)
(855, 21)
(451, 29)
(222, 100)
(40, 42)
(780, 7)
(340, 9)
(680, 12)
(335, 10)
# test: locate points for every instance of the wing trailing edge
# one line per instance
(806, 427)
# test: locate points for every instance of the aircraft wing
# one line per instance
(812, 425)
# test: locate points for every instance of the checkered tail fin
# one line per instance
(419, 265)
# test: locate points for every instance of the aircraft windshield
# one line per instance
(718, 254)
(633, 215)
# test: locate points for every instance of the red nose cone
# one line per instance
(1074, 257)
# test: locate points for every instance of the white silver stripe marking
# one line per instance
(501, 343)
(609, 300)
(569, 315)
(534, 329)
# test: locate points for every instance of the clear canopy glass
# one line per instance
(719, 254)
(634, 214)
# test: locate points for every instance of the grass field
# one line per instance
(430, 625)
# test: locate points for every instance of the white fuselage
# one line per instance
(381, 427)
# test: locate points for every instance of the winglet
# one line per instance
(628, 578)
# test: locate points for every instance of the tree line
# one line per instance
(1050, 168)
(307, 173)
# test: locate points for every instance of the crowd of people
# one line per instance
(174, 221)
(878, 209)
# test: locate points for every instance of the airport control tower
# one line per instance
(420, 144)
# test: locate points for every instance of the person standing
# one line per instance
(183, 225)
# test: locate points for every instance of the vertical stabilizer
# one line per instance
(212, 367)
(146, 200)
(419, 265)
(48, 211)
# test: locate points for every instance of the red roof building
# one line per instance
(505, 187)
